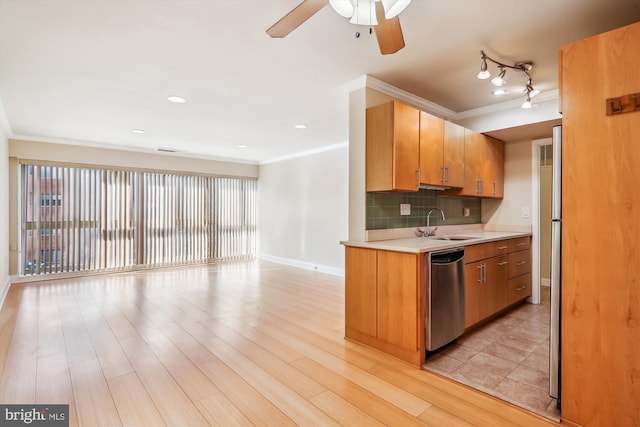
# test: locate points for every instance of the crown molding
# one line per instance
(127, 148)
(438, 110)
(306, 153)
(409, 98)
(552, 95)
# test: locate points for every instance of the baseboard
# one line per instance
(545, 282)
(5, 290)
(303, 264)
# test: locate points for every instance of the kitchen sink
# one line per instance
(454, 238)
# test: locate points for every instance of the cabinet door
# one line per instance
(398, 299)
(393, 147)
(360, 290)
(493, 292)
(473, 280)
(473, 153)
(431, 149)
(453, 153)
(493, 167)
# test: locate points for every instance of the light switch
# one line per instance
(526, 213)
(405, 209)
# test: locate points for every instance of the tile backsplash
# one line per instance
(383, 209)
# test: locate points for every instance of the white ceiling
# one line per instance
(91, 71)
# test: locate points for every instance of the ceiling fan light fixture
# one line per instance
(343, 7)
(393, 8)
(364, 13)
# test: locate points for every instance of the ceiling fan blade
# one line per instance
(388, 32)
(296, 17)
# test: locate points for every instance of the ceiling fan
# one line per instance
(382, 15)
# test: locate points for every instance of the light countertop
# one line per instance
(430, 244)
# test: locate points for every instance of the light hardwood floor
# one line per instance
(250, 343)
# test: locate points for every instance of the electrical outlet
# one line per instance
(405, 209)
(526, 213)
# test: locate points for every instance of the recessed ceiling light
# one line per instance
(300, 126)
(242, 146)
(176, 99)
(138, 130)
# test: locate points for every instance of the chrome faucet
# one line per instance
(428, 232)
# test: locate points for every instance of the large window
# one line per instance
(109, 220)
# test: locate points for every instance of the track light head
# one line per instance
(499, 79)
(484, 73)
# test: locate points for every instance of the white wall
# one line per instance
(517, 189)
(4, 212)
(303, 210)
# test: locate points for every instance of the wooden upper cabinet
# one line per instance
(393, 147)
(483, 166)
(454, 154)
(473, 142)
(493, 168)
(431, 149)
(441, 152)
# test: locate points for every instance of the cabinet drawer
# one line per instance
(501, 247)
(519, 244)
(519, 288)
(519, 263)
(474, 253)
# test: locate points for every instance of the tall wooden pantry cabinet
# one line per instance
(600, 298)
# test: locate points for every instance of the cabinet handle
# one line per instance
(447, 174)
(494, 188)
(500, 248)
(503, 263)
(480, 273)
(418, 173)
(521, 244)
(481, 185)
(484, 274)
(518, 264)
(443, 176)
(521, 288)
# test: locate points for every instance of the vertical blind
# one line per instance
(83, 219)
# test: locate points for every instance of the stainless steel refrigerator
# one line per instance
(556, 258)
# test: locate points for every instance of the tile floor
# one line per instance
(507, 358)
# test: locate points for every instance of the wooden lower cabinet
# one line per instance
(518, 288)
(397, 299)
(493, 292)
(384, 291)
(360, 294)
(495, 277)
(473, 276)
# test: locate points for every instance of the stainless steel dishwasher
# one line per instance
(444, 309)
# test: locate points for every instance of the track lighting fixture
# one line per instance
(499, 79)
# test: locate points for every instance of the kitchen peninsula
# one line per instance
(387, 285)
